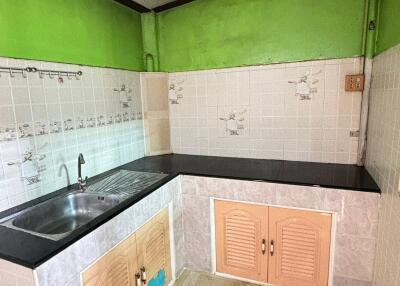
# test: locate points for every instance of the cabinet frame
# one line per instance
(213, 239)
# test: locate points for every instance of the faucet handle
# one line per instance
(82, 183)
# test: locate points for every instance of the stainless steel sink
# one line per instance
(58, 217)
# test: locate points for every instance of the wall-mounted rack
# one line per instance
(12, 71)
(53, 73)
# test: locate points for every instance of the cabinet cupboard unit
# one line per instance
(300, 247)
(117, 268)
(153, 244)
(242, 230)
(142, 259)
(274, 245)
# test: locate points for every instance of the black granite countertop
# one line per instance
(31, 251)
(338, 176)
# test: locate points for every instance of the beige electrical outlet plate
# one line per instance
(355, 82)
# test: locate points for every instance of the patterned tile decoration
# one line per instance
(175, 91)
(306, 85)
(383, 162)
(46, 122)
(295, 111)
(233, 122)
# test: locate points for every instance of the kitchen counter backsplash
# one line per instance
(47, 120)
(294, 111)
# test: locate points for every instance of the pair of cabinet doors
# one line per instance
(149, 247)
(273, 245)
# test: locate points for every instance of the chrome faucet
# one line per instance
(81, 182)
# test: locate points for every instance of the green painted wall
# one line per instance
(224, 33)
(389, 25)
(89, 32)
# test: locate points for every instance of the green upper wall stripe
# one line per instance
(203, 34)
(389, 25)
(208, 34)
(97, 33)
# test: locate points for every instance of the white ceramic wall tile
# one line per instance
(46, 122)
(354, 242)
(65, 267)
(296, 111)
(383, 161)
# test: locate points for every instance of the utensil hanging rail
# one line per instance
(12, 71)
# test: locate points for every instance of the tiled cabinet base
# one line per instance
(66, 267)
(356, 220)
(272, 245)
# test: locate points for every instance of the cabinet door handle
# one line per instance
(138, 279)
(263, 246)
(143, 275)
(271, 248)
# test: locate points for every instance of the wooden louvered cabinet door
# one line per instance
(116, 268)
(154, 248)
(301, 247)
(240, 231)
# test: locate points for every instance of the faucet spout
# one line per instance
(81, 161)
(81, 182)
